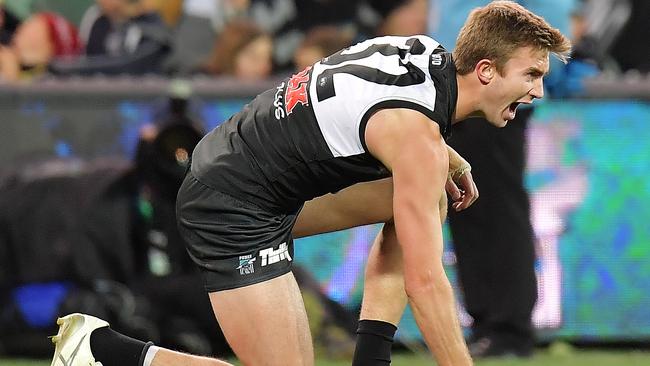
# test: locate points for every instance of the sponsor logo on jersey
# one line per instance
(270, 255)
(297, 90)
(278, 102)
(246, 264)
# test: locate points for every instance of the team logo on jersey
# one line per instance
(297, 90)
(246, 264)
(270, 255)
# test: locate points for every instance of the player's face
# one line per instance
(519, 83)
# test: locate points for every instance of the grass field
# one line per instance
(542, 358)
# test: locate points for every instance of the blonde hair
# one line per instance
(498, 29)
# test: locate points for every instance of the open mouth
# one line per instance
(512, 109)
(513, 106)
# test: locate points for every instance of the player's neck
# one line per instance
(468, 102)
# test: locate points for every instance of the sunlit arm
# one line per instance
(410, 145)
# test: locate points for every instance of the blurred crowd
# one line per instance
(246, 39)
(255, 39)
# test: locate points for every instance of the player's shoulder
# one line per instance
(429, 43)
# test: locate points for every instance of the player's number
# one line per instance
(414, 75)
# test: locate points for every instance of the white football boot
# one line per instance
(73, 340)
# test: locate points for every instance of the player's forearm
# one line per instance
(435, 314)
(426, 284)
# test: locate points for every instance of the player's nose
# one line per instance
(538, 89)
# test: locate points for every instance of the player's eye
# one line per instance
(532, 75)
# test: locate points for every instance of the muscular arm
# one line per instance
(410, 145)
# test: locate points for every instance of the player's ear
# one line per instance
(485, 71)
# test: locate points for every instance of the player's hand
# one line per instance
(463, 191)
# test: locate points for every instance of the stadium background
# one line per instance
(588, 161)
(587, 176)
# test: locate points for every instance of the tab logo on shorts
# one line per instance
(270, 255)
(246, 264)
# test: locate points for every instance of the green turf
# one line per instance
(569, 358)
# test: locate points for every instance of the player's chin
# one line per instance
(498, 121)
(506, 116)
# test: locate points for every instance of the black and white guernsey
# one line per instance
(305, 138)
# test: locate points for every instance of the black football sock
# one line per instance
(374, 342)
(114, 349)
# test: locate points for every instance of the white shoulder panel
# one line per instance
(363, 76)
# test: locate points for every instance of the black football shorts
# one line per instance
(235, 243)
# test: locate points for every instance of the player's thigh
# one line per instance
(265, 323)
(357, 205)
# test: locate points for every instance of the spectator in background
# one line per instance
(8, 25)
(402, 18)
(631, 49)
(169, 10)
(37, 42)
(201, 21)
(493, 239)
(585, 61)
(243, 51)
(124, 37)
(290, 20)
(320, 42)
(583, 43)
